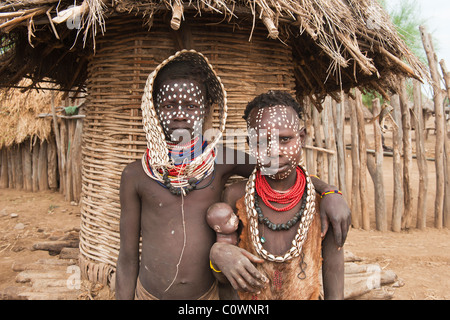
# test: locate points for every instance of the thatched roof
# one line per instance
(19, 113)
(336, 43)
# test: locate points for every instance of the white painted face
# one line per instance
(275, 140)
(180, 105)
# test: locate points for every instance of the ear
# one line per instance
(302, 134)
(217, 228)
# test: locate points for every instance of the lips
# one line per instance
(179, 128)
(279, 167)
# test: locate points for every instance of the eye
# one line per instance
(191, 106)
(285, 139)
(168, 106)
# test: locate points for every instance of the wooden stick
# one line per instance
(43, 167)
(268, 22)
(57, 138)
(438, 98)
(4, 168)
(407, 155)
(52, 164)
(319, 149)
(35, 155)
(11, 24)
(354, 205)
(330, 142)
(319, 143)
(27, 166)
(380, 199)
(18, 166)
(77, 160)
(447, 151)
(363, 161)
(421, 160)
(10, 168)
(397, 210)
(177, 14)
(340, 146)
(403, 66)
(309, 154)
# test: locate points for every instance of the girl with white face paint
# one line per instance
(277, 209)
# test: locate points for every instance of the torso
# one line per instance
(295, 279)
(166, 233)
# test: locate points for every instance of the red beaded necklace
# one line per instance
(291, 197)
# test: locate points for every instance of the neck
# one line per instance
(283, 184)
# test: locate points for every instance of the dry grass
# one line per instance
(358, 42)
(19, 115)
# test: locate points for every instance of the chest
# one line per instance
(157, 202)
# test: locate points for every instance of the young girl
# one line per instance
(278, 209)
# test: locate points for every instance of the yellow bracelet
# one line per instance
(313, 175)
(211, 266)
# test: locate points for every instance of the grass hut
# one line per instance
(28, 154)
(38, 153)
(311, 48)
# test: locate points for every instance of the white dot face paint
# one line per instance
(275, 140)
(180, 104)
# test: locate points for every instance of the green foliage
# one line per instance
(367, 98)
(406, 17)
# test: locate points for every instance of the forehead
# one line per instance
(189, 86)
(276, 117)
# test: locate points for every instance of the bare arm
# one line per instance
(130, 227)
(332, 268)
(236, 264)
(335, 210)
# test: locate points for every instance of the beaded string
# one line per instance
(291, 197)
(175, 178)
(281, 226)
(302, 231)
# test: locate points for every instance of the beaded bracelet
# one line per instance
(211, 266)
(330, 192)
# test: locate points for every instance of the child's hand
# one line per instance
(334, 210)
(236, 265)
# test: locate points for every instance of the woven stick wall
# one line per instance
(113, 134)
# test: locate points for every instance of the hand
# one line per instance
(334, 209)
(236, 265)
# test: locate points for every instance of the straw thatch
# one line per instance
(19, 115)
(336, 43)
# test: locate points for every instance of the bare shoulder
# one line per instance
(132, 169)
(132, 175)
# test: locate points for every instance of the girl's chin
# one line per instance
(277, 174)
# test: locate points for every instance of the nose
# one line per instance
(180, 114)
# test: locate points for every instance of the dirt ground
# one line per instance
(420, 258)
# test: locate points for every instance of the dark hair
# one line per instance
(183, 70)
(273, 98)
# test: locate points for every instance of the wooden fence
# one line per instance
(36, 165)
